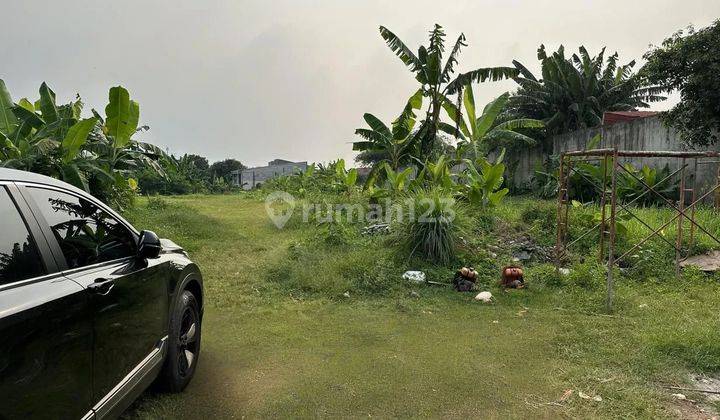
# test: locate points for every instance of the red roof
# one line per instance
(612, 117)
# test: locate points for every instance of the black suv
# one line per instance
(91, 310)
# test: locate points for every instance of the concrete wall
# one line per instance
(640, 134)
(253, 177)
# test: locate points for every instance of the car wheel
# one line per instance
(183, 344)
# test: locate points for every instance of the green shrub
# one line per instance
(372, 274)
(156, 202)
(540, 218)
(433, 231)
(540, 213)
(315, 266)
(337, 234)
(588, 275)
(544, 274)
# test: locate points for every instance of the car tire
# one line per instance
(183, 344)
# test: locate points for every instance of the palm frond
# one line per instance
(403, 125)
(452, 58)
(401, 50)
(370, 135)
(377, 125)
(455, 115)
(451, 130)
(490, 113)
(479, 76)
(519, 123)
(524, 71)
(498, 138)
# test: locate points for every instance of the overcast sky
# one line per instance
(258, 80)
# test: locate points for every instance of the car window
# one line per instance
(86, 234)
(19, 257)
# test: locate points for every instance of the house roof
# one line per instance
(612, 117)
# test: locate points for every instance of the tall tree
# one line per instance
(201, 162)
(574, 92)
(223, 168)
(437, 79)
(689, 62)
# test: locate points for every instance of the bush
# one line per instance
(433, 231)
(541, 218)
(373, 275)
(157, 203)
(588, 275)
(335, 262)
(544, 274)
(337, 234)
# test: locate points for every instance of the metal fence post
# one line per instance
(681, 206)
(611, 242)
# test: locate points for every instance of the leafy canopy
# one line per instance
(689, 62)
(574, 92)
(95, 154)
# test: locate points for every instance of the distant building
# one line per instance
(253, 177)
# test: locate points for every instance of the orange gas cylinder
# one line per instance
(512, 277)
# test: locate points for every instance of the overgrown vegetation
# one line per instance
(586, 183)
(327, 298)
(96, 154)
(100, 155)
(306, 344)
(438, 80)
(575, 91)
(190, 174)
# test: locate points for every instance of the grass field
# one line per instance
(281, 340)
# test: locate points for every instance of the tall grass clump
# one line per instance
(432, 231)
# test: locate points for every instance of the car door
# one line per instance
(45, 324)
(129, 296)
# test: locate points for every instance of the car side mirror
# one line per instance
(149, 245)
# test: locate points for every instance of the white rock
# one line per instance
(414, 276)
(679, 396)
(564, 271)
(346, 294)
(585, 396)
(484, 296)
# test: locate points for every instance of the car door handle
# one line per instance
(101, 286)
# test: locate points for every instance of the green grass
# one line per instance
(280, 340)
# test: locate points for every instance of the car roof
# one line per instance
(15, 175)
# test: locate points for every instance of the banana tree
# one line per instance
(438, 79)
(346, 178)
(436, 174)
(393, 146)
(484, 180)
(481, 134)
(574, 92)
(95, 154)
